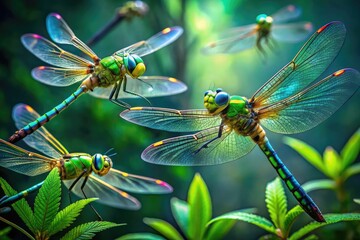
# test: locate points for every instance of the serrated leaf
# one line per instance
(352, 170)
(141, 236)
(180, 211)
(88, 230)
(21, 207)
(306, 151)
(330, 219)
(351, 150)
(218, 229)
(163, 227)
(245, 216)
(199, 207)
(332, 163)
(290, 217)
(357, 201)
(311, 237)
(65, 217)
(276, 202)
(319, 184)
(47, 202)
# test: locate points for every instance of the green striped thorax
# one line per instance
(101, 164)
(264, 22)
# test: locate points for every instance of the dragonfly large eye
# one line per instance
(261, 18)
(131, 64)
(222, 98)
(135, 65)
(98, 162)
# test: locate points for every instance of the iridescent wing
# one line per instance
(171, 119)
(147, 86)
(61, 33)
(41, 139)
(107, 194)
(135, 183)
(156, 42)
(233, 40)
(313, 58)
(311, 106)
(186, 150)
(287, 13)
(291, 32)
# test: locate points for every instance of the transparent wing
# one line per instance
(60, 77)
(60, 32)
(171, 119)
(233, 40)
(291, 32)
(183, 150)
(107, 194)
(156, 42)
(287, 13)
(21, 161)
(312, 59)
(51, 53)
(311, 106)
(41, 139)
(134, 183)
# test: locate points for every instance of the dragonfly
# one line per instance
(230, 126)
(83, 174)
(266, 29)
(103, 77)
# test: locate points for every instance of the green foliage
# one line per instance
(276, 202)
(180, 211)
(4, 232)
(163, 227)
(88, 230)
(140, 236)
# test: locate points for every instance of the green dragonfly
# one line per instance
(100, 180)
(230, 126)
(265, 29)
(103, 77)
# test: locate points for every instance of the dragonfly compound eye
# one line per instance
(222, 98)
(98, 162)
(260, 19)
(135, 65)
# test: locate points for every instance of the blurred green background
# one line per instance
(93, 125)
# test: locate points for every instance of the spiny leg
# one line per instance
(115, 91)
(133, 93)
(92, 207)
(74, 183)
(206, 145)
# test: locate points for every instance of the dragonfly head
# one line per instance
(264, 20)
(134, 65)
(101, 164)
(217, 101)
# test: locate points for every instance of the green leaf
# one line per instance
(330, 219)
(163, 227)
(245, 216)
(351, 150)
(47, 202)
(180, 211)
(306, 151)
(332, 163)
(199, 207)
(88, 230)
(141, 236)
(352, 170)
(65, 217)
(290, 219)
(311, 237)
(276, 203)
(21, 207)
(219, 229)
(319, 185)
(357, 201)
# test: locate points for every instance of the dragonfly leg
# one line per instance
(114, 97)
(92, 207)
(133, 93)
(74, 183)
(206, 145)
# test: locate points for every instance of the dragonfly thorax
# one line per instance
(101, 164)
(133, 64)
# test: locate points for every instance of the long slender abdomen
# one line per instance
(33, 126)
(293, 185)
(7, 200)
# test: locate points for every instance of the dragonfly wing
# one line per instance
(21, 161)
(107, 194)
(60, 77)
(60, 32)
(41, 139)
(184, 150)
(51, 53)
(312, 60)
(311, 106)
(291, 32)
(156, 42)
(233, 40)
(134, 183)
(287, 13)
(171, 119)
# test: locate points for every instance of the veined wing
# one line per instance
(41, 139)
(21, 161)
(311, 106)
(60, 32)
(135, 183)
(184, 150)
(60, 77)
(233, 40)
(107, 194)
(312, 59)
(291, 32)
(156, 42)
(287, 13)
(171, 119)
(51, 53)
(147, 86)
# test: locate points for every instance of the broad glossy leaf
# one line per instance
(180, 211)
(332, 163)
(352, 170)
(276, 202)
(163, 227)
(351, 150)
(219, 229)
(319, 184)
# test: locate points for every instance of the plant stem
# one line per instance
(342, 195)
(17, 227)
